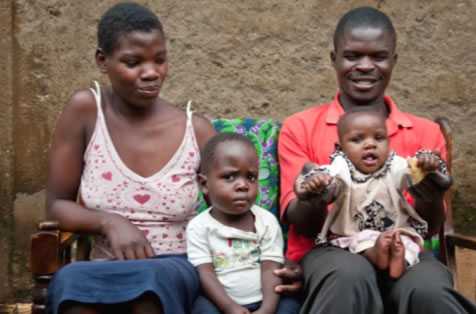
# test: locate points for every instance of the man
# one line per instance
(336, 281)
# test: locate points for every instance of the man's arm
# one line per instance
(306, 215)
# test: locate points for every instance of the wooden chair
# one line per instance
(51, 248)
(449, 239)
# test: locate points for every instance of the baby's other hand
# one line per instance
(428, 161)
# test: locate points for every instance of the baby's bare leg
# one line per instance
(397, 256)
(379, 254)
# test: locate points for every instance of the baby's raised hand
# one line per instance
(312, 182)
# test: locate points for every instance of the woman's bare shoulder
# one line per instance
(203, 129)
(82, 102)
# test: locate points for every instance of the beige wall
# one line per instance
(233, 58)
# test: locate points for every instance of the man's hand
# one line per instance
(292, 277)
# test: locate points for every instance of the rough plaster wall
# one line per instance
(235, 58)
(6, 151)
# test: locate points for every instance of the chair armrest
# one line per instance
(453, 240)
(50, 248)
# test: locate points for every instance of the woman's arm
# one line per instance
(215, 291)
(70, 139)
(66, 166)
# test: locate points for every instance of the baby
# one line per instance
(365, 185)
(235, 244)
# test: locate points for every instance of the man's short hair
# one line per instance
(363, 17)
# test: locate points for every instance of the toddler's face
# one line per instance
(232, 181)
(365, 142)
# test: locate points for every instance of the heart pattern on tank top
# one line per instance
(142, 198)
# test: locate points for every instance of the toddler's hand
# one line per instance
(236, 309)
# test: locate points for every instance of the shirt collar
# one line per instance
(395, 120)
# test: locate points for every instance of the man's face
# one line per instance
(363, 60)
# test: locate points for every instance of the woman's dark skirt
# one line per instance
(172, 278)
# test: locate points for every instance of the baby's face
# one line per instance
(365, 142)
(232, 181)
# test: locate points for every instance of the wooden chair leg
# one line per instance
(40, 293)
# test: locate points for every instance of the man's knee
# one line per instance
(345, 271)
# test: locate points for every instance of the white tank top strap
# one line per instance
(97, 95)
(189, 110)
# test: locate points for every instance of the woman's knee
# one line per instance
(147, 303)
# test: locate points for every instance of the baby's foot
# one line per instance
(379, 254)
(397, 257)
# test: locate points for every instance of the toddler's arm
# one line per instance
(268, 283)
(215, 291)
(199, 254)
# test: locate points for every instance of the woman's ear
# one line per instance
(202, 180)
(101, 60)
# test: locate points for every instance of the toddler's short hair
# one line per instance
(208, 152)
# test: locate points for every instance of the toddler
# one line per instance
(235, 244)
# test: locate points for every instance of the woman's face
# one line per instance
(137, 67)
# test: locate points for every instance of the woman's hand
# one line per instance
(292, 277)
(127, 241)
